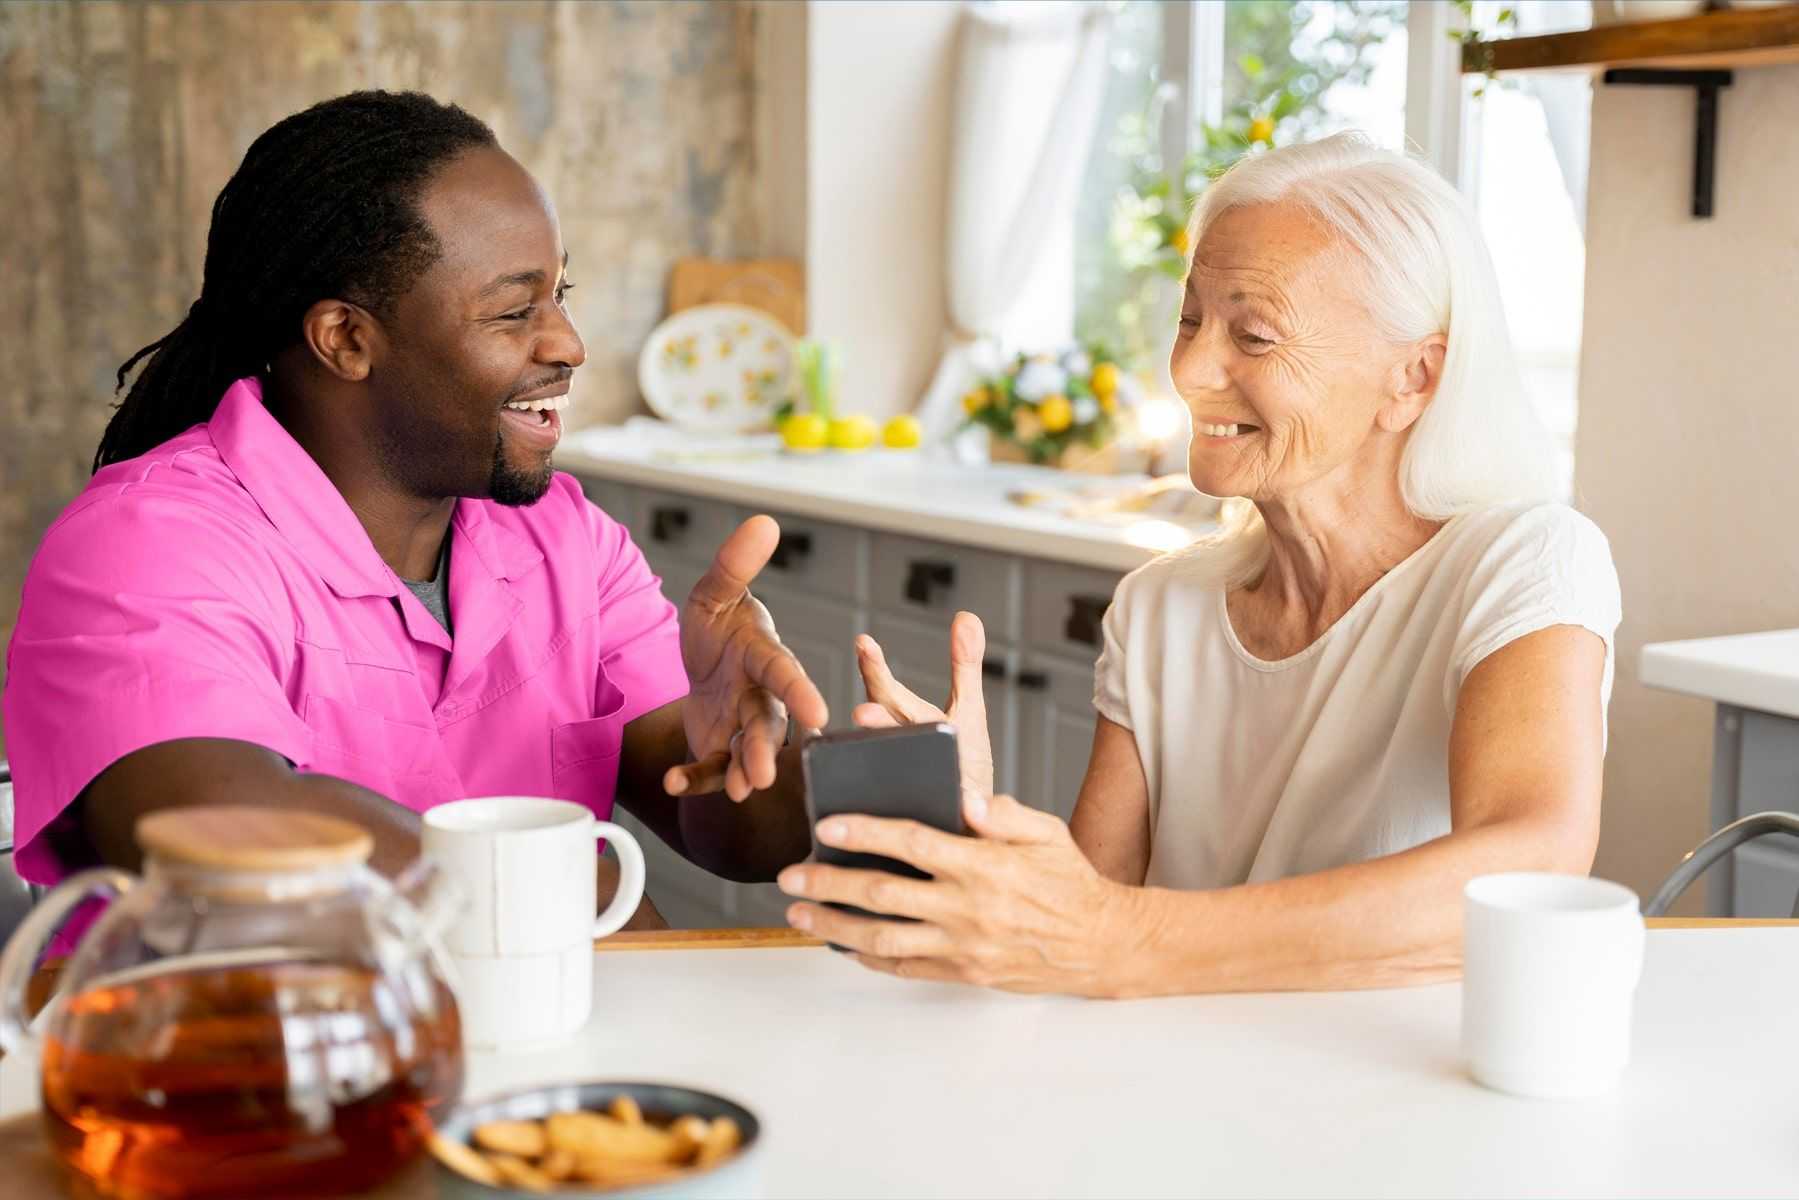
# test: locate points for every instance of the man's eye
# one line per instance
(1189, 322)
(1254, 342)
(523, 314)
(563, 290)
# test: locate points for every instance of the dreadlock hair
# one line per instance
(324, 205)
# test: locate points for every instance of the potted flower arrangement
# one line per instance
(1064, 410)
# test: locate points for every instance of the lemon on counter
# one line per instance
(805, 431)
(1105, 379)
(854, 432)
(902, 433)
(1056, 413)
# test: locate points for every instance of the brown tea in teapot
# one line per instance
(245, 1097)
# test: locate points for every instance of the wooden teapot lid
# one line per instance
(248, 838)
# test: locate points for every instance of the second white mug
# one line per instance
(1549, 976)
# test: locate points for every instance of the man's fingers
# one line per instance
(764, 727)
(700, 778)
(887, 691)
(770, 666)
(737, 563)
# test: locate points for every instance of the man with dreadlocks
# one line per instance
(324, 562)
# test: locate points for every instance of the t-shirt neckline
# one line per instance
(1317, 644)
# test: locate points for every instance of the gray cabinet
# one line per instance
(1755, 768)
(829, 581)
(1055, 732)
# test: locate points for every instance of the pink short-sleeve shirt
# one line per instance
(219, 586)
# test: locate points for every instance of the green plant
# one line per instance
(1284, 57)
(1481, 57)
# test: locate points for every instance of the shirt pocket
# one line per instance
(584, 754)
(367, 748)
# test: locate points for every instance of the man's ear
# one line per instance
(1415, 384)
(342, 337)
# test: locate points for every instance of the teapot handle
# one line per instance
(20, 958)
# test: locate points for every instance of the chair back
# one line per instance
(1716, 846)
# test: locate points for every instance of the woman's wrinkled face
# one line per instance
(1277, 358)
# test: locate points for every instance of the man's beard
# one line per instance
(512, 487)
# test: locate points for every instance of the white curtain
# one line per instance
(1566, 96)
(1030, 80)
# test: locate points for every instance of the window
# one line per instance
(1191, 77)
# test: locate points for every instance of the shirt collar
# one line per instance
(306, 507)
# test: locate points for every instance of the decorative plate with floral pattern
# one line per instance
(721, 367)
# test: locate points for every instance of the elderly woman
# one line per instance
(1389, 676)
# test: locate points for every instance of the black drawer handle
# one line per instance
(1085, 613)
(924, 575)
(668, 523)
(1033, 681)
(791, 548)
(993, 668)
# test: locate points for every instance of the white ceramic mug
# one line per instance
(523, 949)
(1550, 970)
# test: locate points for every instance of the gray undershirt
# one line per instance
(434, 593)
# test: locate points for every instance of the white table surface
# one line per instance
(870, 1086)
(906, 492)
(1752, 670)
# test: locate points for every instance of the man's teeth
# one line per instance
(555, 402)
(1224, 430)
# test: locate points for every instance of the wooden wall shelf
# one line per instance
(1749, 37)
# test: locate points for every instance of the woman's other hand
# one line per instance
(891, 703)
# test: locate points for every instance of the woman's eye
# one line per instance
(563, 290)
(1189, 323)
(1254, 342)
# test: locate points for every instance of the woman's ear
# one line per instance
(1417, 377)
(342, 337)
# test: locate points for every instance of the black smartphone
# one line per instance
(911, 771)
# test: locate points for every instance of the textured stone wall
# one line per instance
(120, 122)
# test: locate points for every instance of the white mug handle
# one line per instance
(630, 879)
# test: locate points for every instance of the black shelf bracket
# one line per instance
(1705, 85)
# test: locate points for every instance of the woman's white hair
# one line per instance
(1479, 442)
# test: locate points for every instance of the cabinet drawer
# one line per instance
(1770, 764)
(819, 557)
(1765, 879)
(667, 523)
(921, 579)
(1063, 607)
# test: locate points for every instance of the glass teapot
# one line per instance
(259, 1015)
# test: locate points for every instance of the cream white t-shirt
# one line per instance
(1259, 770)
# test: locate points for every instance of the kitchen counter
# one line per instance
(1752, 670)
(912, 492)
(1753, 681)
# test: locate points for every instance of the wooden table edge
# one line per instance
(774, 937)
